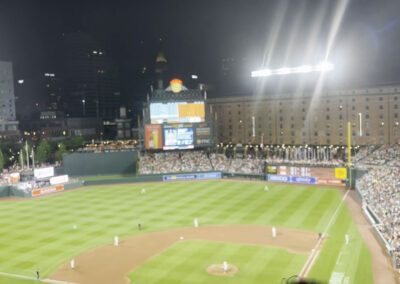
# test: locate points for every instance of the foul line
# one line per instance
(314, 252)
(35, 279)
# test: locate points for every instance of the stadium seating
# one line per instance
(380, 189)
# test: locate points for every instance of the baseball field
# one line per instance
(235, 221)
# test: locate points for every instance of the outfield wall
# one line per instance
(4, 191)
(104, 163)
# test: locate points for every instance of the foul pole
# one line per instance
(349, 151)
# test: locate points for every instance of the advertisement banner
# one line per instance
(28, 185)
(278, 178)
(43, 173)
(197, 176)
(47, 190)
(203, 134)
(59, 179)
(153, 134)
(303, 180)
(330, 181)
(341, 173)
(271, 169)
(291, 179)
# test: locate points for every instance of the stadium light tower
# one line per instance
(321, 67)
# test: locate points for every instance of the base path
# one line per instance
(110, 264)
(382, 265)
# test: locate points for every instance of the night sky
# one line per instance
(196, 35)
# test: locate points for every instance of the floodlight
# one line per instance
(304, 69)
(321, 67)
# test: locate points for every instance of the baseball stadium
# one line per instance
(181, 208)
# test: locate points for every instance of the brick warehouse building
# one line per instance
(300, 119)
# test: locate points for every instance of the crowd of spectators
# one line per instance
(174, 162)
(197, 161)
(308, 162)
(167, 162)
(384, 155)
(108, 147)
(362, 153)
(220, 162)
(247, 166)
(380, 189)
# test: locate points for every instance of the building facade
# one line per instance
(91, 78)
(8, 123)
(319, 119)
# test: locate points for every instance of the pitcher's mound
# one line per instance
(218, 270)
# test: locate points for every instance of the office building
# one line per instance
(8, 122)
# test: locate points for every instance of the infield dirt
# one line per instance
(110, 264)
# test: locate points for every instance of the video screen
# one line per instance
(177, 112)
(178, 138)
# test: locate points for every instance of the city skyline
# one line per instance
(201, 38)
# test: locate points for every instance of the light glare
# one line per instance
(321, 67)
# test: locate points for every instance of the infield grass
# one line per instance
(187, 262)
(39, 233)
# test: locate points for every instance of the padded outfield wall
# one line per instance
(104, 163)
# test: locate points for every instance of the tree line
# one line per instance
(13, 153)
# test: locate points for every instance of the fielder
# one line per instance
(196, 222)
(72, 263)
(116, 241)
(273, 232)
(143, 191)
(225, 266)
(347, 239)
(266, 188)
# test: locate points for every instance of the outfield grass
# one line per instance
(40, 233)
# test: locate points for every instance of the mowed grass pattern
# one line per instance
(187, 262)
(40, 233)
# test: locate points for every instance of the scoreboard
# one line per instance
(306, 174)
(170, 136)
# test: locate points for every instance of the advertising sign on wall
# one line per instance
(153, 134)
(47, 190)
(43, 172)
(304, 180)
(341, 173)
(59, 179)
(196, 176)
